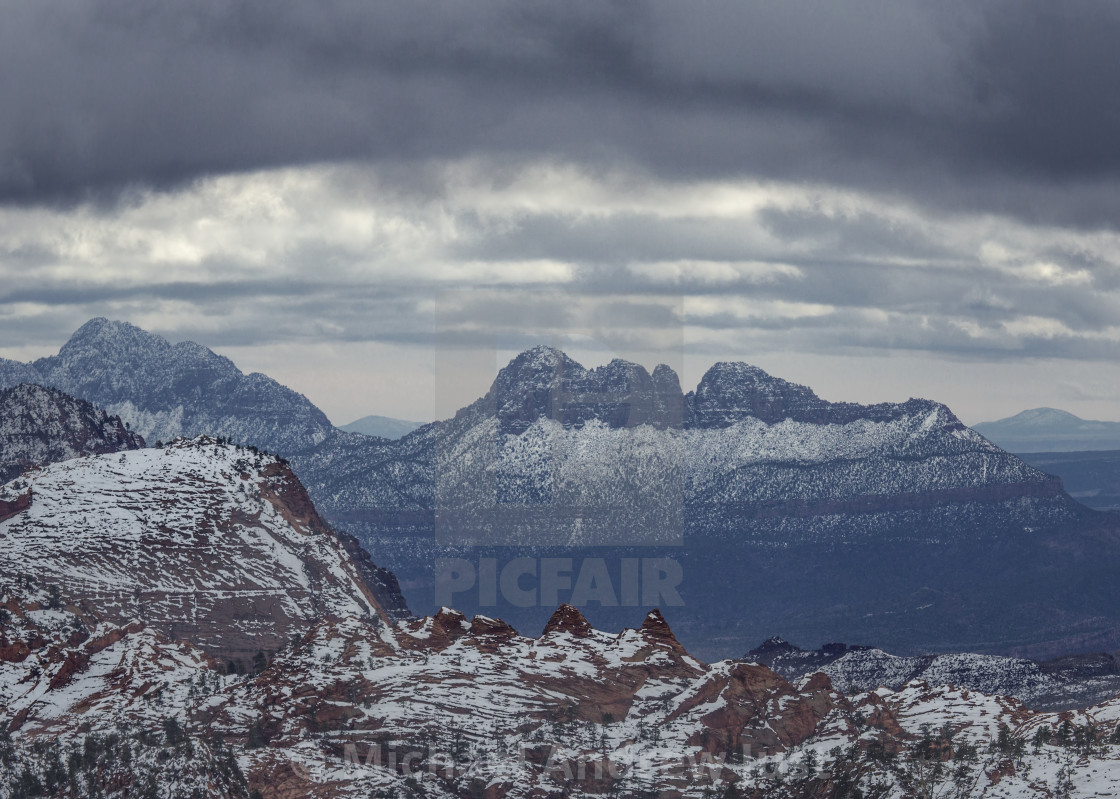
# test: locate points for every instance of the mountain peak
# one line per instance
(544, 382)
(1050, 430)
(732, 391)
(111, 336)
(165, 390)
(540, 363)
(656, 628)
(568, 619)
(1043, 416)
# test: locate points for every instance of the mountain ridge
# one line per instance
(198, 539)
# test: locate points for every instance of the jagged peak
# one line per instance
(655, 626)
(450, 620)
(111, 335)
(568, 619)
(663, 373)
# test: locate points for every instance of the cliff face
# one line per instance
(198, 540)
(42, 425)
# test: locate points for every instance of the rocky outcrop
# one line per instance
(544, 383)
(567, 619)
(42, 425)
(10, 507)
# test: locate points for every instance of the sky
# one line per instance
(379, 203)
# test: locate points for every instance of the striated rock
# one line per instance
(201, 541)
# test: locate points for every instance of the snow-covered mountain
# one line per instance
(179, 621)
(890, 522)
(825, 519)
(198, 540)
(42, 425)
(165, 390)
(750, 456)
(448, 706)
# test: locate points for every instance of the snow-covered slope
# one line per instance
(42, 425)
(450, 707)
(200, 540)
(165, 390)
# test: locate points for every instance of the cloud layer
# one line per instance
(487, 257)
(857, 181)
(1004, 106)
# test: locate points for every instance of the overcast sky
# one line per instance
(377, 203)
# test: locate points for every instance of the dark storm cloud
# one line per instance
(964, 108)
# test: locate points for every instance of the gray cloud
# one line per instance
(1005, 108)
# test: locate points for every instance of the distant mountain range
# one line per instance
(381, 427)
(752, 502)
(1050, 430)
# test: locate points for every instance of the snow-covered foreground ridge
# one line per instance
(445, 706)
(122, 576)
(200, 540)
